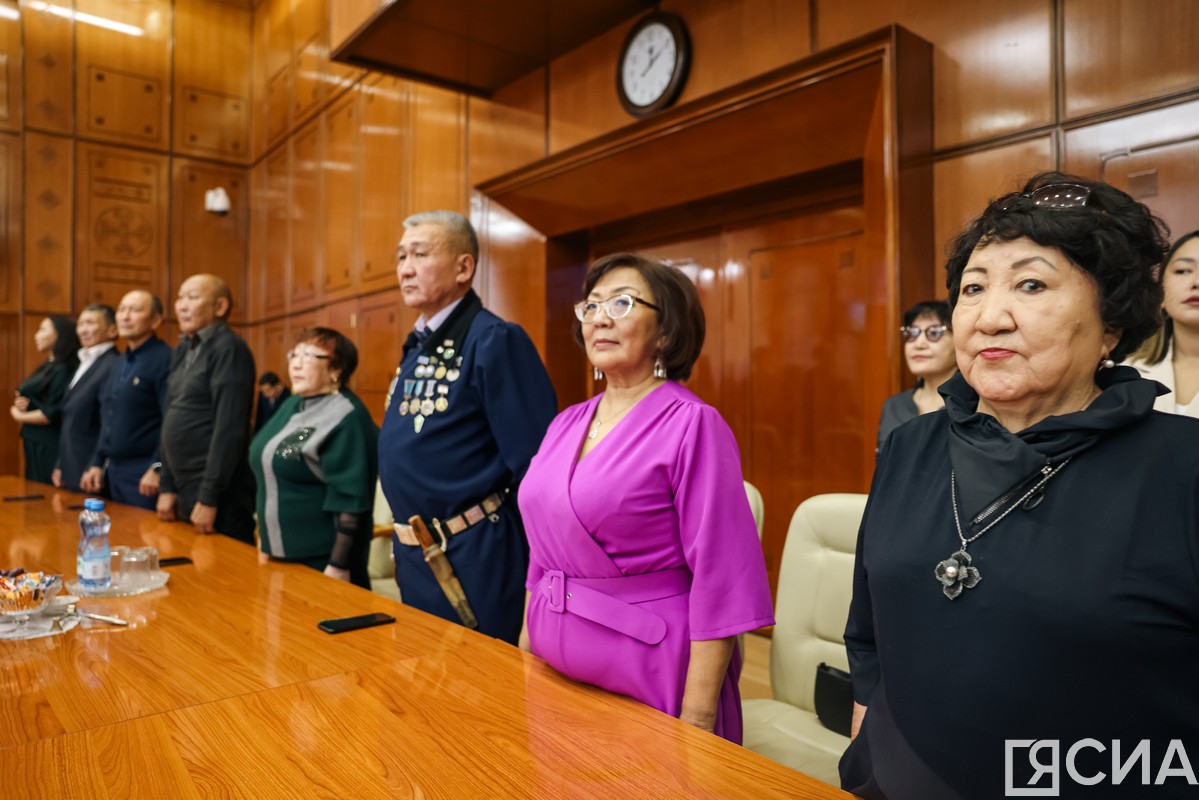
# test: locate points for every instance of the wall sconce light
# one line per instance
(217, 201)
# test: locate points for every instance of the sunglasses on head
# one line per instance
(1052, 195)
(910, 333)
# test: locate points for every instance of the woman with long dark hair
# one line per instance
(38, 402)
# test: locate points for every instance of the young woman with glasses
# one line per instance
(928, 349)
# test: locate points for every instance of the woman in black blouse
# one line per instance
(38, 403)
(927, 336)
(1027, 580)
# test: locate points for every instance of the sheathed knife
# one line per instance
(443, 571)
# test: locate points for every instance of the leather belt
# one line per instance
(457, 524)
(611, 602)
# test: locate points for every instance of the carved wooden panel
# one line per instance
(121, 226)
(49, 229)
(992, 65)
(49, 67)
(10, 67)
(1154, 156)
(10, 222)
(307, 228)
(123, 72)
(202, 241)
(964, 185)
(1117, 52)
(384, 134)
(212, 80)
(278, 245)
(437, 161)
(340, 170)
(384, 322)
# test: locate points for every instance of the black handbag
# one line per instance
(834, 698)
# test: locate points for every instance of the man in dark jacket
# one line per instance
(97, 330)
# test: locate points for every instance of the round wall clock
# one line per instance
(653, 64)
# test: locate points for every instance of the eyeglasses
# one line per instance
(616, 307)
(307, 355)
(1052, 195)
(933, 333)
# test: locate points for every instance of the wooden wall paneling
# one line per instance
(121, 225)
(260, 34)
(49, 60)
(508, 131)
(582, 92)
(296, 324)
(964, 185)
(566, 262)
(310, 57)
(275, 344)
(123, 75)
(383, 324)
(278, 69)
(437, 157)
(168, 331)
(1117, 52)
(340, 174)
(992, 61)
(11, 67)
(511, 274)
(346, 17)
(253, 334)
(384, 141)
(202, 241)
(49, 225)
(343, 318)
(1153, 156)
(212, 80)
(304, 217)
(277, 274)
(10, 222)
(257, 258)
(12, 372)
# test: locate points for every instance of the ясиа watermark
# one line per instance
(1035, 767)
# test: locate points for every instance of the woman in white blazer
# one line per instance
(1172, 357)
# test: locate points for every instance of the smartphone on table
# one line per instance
(354, 623)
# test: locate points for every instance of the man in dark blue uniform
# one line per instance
(468, 408)
(131, 407)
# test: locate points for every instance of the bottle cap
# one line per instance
(93, 504)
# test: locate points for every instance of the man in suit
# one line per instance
(206, 476)
(271, 394)
(131, 406)
(97, 331)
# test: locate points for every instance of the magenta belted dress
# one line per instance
(644, 545)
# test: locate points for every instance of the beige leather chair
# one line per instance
(379, 566)
(815, 586)
(756, 506)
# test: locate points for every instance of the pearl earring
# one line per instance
(597, 374)
(1106, 363)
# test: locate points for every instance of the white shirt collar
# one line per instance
(88, 356)
(437, 319)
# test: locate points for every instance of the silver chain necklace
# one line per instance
(955, 572)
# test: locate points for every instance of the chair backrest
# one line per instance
(815, 587)
(756, 506)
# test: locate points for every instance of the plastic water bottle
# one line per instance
(94, 565)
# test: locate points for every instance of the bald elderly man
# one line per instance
(132, 403)
(206, 478)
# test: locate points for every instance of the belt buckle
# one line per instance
(555, 589)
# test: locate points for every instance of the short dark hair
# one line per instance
(1156, 349)
(929, 308)
(343, 355)
(1115, 239)
(66, 346)
(110, 316)
(269, 379)
(680, 315)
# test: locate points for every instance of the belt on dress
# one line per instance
(610, 601)
(455, 525)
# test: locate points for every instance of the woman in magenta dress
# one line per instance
(645, 562)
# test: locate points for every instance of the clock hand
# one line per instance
(652, 58)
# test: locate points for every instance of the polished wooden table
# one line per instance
(222, 685)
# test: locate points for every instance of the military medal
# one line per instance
(452, 374)
(136, 381)
(439, 373)
(426, 407)
(441, 404)
(418, 422)
(403, 408)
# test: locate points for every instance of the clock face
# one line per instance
(649, 64)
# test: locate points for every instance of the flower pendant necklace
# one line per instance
(595, 426)
(955, 572)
